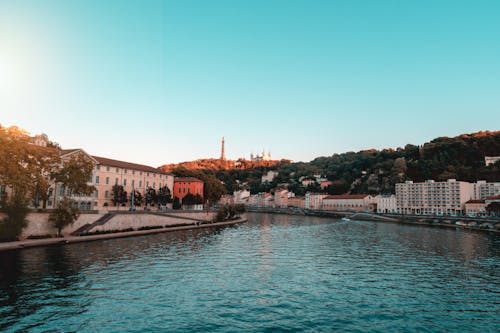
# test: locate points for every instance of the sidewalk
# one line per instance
(78, 239)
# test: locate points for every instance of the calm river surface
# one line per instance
(274, 274)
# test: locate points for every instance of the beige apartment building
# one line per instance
(107, 173)
(483, 190)
(350, 202)
(430, 197)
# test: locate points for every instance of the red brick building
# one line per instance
(185, 185)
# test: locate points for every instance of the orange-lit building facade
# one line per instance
(185, 185)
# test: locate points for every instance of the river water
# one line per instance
(273, 274)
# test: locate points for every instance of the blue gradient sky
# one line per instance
(157, 82)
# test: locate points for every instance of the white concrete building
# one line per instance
(430, 197)
(386, 203)
(350, 202)
(281, 198)
(241, 197)
(491, 160)
(269, 176)
(314, 200)
(483, 190)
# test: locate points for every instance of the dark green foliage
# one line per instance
(151, 196)
(229, 212)
(118, 195)
(191, 199)
(138, 199)
(493, 208)
(16, 209)
(163, 196)
(176, 204)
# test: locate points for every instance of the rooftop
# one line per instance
(117, 163)
(347, 196)
(187, 180)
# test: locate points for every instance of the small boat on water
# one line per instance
(345, 219)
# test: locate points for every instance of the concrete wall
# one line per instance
(38, 223)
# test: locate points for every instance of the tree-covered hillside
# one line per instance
(374, 171)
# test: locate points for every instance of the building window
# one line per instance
(125, 171)
(106, 194)
(117, 170)
(97, 179)
(147, 184)
(107, 168)
(116, 181)
(96, 193)
(133, 172)
(147, 174)
(140, 173)
(154, 185)
(124, 182)
(133, 182)
(107, 180)
(98, 167)
(140, 183)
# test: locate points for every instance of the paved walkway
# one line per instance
(78, 239)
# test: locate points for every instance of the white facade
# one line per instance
(386, 203)
(349, 202)
(491, 159)
(430, 197)
(314, 200)
(483, 190)
(269, 176)
(281, 198)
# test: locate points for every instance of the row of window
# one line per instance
(125, 182)
(117, 170)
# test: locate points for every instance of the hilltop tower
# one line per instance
(222, 153)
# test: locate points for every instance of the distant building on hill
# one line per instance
(265, 156)
(491, 159)
(269, 176)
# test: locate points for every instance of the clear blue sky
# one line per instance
(162, 81)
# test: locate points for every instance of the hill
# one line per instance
(368, 171)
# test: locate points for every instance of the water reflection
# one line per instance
(274, 273)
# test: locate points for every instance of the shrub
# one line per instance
(65, 214)
(12, 226)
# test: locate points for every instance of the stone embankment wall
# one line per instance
(136, 221)
(39, 225)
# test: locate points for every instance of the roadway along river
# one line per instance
(275, 273)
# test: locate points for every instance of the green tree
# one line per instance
(74, 175)
(163, 196)
(138, 199)
(191, 199)
(22, 164)
(65, 214)
(493, 208)
(151, 196)
(176, 204)
(118, 195)
(16, 209)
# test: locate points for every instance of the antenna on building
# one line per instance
(222, 153)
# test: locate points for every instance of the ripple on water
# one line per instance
(276, 273)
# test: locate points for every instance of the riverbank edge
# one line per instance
(377, 218)
(28, 243)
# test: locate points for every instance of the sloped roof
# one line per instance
(347, 196)
(127, 165)
(475, 202)
(187, 180)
